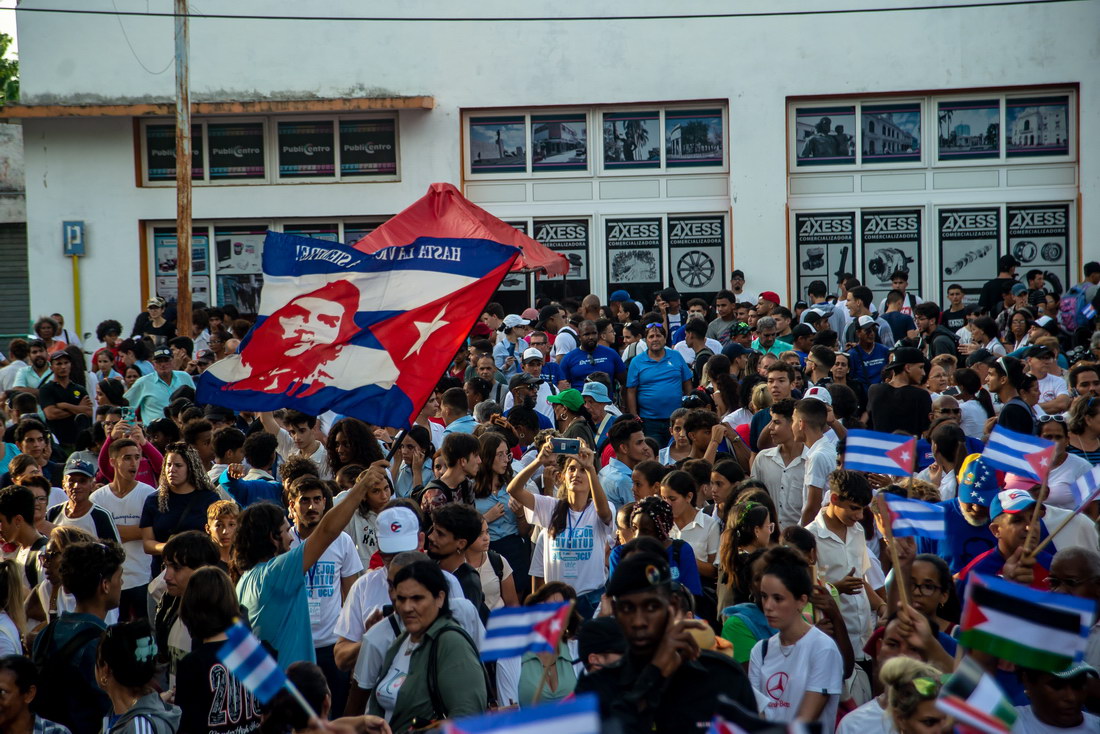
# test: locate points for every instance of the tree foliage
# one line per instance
(9, 72)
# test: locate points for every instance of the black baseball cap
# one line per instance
(670, 295)
(639, 572)
(1038, 351)
(980, 356)
(162, 353)
(903, 356)
(522, 378)
(600, 636)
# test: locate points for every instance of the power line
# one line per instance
(529, 19)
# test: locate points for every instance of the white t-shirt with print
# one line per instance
(323, 583)
(287, 448)
(1051, 387)
(392, 680)
(576, 555)
(811, 664)
(127, 511)
(362, 529)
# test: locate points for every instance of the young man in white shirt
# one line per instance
(1053, 391)
(809, 425)
(124, 498)
(298, 438)
(328, 581)
(782, 468)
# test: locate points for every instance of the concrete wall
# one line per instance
(85, 169)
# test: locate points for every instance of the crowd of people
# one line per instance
(673, 469)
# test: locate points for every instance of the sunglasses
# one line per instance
(1058, 418)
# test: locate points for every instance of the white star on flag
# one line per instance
(426, 329)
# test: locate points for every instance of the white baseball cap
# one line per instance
(532, 353)
(398, 530)
(819, 393)
(512, 320)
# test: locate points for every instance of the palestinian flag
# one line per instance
(1034, 629)
(973, 697)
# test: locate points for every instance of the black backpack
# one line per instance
(60, 684)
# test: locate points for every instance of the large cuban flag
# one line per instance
(368, 334)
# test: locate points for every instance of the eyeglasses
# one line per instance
(925, 589)
(41, 500)
(46, 555)
(1056, 583)
(1057, 417)
(950, 411)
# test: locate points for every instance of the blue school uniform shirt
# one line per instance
(579, 364)
(867, 368)
(274, 593)
(504, 525)
(618, 483)
(659, 383)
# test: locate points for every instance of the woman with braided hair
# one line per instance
(652, 518)
(749, 528)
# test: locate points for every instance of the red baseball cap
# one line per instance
(770, 296)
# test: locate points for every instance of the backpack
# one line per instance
(433, 674)
(497, 563)
(1071, 308)
(58, 689)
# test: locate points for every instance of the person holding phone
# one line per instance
(578, 523)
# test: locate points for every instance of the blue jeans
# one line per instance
(589, 602)
(657, 430)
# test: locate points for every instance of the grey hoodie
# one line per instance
(149, 715)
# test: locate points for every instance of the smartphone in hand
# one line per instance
(569, 446)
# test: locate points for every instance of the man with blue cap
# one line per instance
(1010, 515)
(596, 399)
(967, 517)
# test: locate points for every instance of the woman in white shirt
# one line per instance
(578, 525)
(695, 527)
(799, 670)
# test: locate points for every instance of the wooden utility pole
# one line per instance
(183, 173)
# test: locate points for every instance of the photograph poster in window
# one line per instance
(969, 129)
(559, 142)
(1038, 236)
(236, 150)
(826, 247)
(695, 248)
(891, 132)
(164, 250)
(570, 238)
(1036, 126)
(634, 257)
(498, 144)
(368, 148)
(891, 242)
(970, 242)
(160, 152)
(307, 149)
(631, 140)
(825, 136)
(693, 138)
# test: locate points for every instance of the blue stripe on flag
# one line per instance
(867, 451)
(915, 518)
(250, 663)
(1009, 451)
(578, 716)
(511, 631)
(1085, 488)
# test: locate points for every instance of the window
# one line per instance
(595, 141)
(275, 150)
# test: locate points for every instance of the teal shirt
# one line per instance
(530, 674)
(150, 394)
(274, 593)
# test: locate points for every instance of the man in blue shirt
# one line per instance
(150, 393)
(589, 357)
(628, 442)
(867, 358)
(273, 585)
(455, 410)
(550, 371)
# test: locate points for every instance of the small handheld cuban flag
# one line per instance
(879, 453)
(915, 518)
(579, 715)
(250, 663)
(1019, 453)
(1086, 489)
(366, 330)
(512, 631)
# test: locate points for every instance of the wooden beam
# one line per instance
(264, 106)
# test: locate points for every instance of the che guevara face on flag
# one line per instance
(364, 335)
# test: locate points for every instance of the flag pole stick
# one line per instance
(303, 702)
(1050, 537)
(396, 443)
(1034, 527)
(888, 535)
(546, 670)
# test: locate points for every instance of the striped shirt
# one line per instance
(45, 726)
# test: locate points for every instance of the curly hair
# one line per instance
(195, 474)
(84, 566)
(253, 544)
(106, 327)
(364, 446)
(658, 510)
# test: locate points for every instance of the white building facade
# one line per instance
(649, 152)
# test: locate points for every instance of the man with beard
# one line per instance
(967, 518)
(328, 581)
(32, 377)
(591, 356)
(664, 683)
(525, 390)
(454, 528)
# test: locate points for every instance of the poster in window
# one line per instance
(355, 231)
(165, 251)
(969, 129)
(368, 147)
(236, 150)
(634, 257)
(693, 138)
(498, 144)
(1036, 126)
(1038, 236)
(242, 291)
(559, 142)
(970, 241)
(515, 281)
(326, 232)
(307, 149)
(825, 247)
(631, 140)
(891, 242)
(825, 136)
(890, 132)
(167, 288)
(570, 238)
(696, 246)
(239, 250)
(160, 152)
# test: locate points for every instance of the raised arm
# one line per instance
(517, 488)
(336, 519)
(587, 459)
